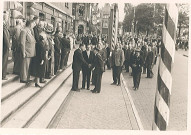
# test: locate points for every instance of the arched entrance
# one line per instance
(80, 29)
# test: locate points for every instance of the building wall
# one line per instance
(67, 7)
(81, 19)
(61, 13)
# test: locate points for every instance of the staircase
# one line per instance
(26, 106)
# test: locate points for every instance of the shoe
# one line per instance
(93, 91)
(4, 78)
(44, 81)
(23, 81)
(37, 85)
(113, 83)
(78, 90)
(88, 88)
(48, 77)
(82, 88)
(118, 84)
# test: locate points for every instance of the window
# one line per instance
(66, 5)
(81, 10)
(66, 26)
(41, 17)
(53, 21)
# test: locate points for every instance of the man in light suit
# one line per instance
(117, 60)
(27, 50)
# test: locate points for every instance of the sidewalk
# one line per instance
(144, 97)
(110, 109)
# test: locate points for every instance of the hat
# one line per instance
(49, 28)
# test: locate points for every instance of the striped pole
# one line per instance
(164, 80)
(113, 29)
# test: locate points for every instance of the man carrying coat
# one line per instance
(117, 60)
(78, 61)
(99, 68)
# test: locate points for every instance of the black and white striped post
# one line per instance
(164, 80)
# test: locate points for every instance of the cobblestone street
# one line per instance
(107, 110)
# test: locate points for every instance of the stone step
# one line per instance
(12, 88)
(48, 113)
(32, 108)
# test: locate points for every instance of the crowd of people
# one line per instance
(37, 49)
(138, 54)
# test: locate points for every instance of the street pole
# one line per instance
(164, 79)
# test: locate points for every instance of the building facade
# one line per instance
(105, 19)
(55, 13)
(82, 16)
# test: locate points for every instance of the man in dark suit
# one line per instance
(65, 45)
(127, 58)
(137, 64)
(98, 64)
(6, 46)
(117, 60)
(78, 61)
(94, 40)
(149, 63)
(86, 71)
(57, 53)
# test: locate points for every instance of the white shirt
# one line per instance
(88, 53)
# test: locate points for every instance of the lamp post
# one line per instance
(133, 27)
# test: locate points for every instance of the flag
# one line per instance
(164, 79)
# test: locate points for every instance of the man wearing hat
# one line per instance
(99, 68)
(137, 64)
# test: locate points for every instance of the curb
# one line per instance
(132, 104)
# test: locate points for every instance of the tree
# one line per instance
(128, 19)
(183, 20)
(144, 18)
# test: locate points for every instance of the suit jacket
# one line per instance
(78, 60)
(15, 37)
(27, 43)
(127, 55)
(137, 63)
(103, 54)
(149, 59)
(57, 45)
(98, 64)
(65, 44)
(6, 39)
(89, 59)
(36, 33)
(117, 57)
(94, 41)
